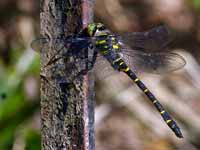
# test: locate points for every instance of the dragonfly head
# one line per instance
(97, 29)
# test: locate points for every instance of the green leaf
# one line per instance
(32, 140)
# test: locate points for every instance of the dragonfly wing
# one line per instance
(64, 47)
(157, 63)
(154, 39)
(103, 69)
(41, 44)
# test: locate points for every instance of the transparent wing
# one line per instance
(63, 47)
(43, 43)
(157, 63)
(103, 69)
(152, 40)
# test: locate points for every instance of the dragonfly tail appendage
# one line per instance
(166, 117)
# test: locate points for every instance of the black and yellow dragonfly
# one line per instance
(127, 53)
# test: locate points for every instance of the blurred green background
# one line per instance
(125, 120)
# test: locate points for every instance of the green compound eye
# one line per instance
(91, 29)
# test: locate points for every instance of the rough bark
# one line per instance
(67, 108)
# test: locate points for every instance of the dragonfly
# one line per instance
(127, 53)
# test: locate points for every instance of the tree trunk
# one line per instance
(67, 107)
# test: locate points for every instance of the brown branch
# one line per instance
(67, 106)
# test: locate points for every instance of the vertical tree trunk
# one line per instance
(67, 108)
